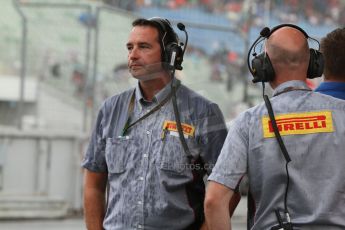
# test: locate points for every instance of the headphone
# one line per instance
(172, 52)
(261, 67)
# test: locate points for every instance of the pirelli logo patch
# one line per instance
(171, 126)
(299, 123)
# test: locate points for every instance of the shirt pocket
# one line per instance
(117, 151)
(173, 157)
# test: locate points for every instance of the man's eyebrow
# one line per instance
(144, 43)
(139, 43)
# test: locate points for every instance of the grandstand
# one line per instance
(58, 48)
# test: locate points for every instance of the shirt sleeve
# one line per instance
(94, 158)
(232, 162)
(212, 136)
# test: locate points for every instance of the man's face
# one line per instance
(144, 52)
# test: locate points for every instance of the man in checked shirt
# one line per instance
(136, 148)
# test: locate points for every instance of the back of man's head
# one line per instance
(333, 49)
(289, 53)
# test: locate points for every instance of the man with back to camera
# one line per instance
(149, 175)
(307, 192)
(333, 49)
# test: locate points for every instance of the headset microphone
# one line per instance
(265, 32)
(182, 27)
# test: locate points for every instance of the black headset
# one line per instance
(172, 52)
(261, 67)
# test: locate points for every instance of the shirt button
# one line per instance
(139, 202)
(148, 132)
(141, 178)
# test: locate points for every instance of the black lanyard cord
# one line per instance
(174, 85)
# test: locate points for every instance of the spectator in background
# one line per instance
(333, 49)
(56, 70)
(79, 81)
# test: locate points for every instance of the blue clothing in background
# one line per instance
(334, 89)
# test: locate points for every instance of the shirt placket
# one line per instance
(147, 126)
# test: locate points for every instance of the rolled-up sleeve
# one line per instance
(94, 158)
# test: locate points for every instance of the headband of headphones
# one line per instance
(261, 67)
(163, 23)
(271, 31)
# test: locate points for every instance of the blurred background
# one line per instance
(59, 59)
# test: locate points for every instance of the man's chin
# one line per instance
(146, 76)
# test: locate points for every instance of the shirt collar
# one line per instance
(291, 84)
(160, 96)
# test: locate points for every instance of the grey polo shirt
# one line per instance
(151, 182)
(313, 129)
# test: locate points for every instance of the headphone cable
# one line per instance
(174, 85)
(282, 147)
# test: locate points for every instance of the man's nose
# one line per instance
(133, 54)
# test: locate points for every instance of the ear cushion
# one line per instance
(262, 68)
(316, 64)
(169, 45)
(174, 53)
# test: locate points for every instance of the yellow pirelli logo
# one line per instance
(171, 126)
(299, 123)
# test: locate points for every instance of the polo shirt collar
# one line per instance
(291, 84)
(160, 96)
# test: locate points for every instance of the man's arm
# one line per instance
(216, 207)
(235, 199)
(94, 199)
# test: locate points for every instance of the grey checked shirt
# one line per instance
(151, 182)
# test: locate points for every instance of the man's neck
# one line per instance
(150, 88)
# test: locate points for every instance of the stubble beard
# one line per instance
(148, 72)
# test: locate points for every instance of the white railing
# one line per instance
(39, 168)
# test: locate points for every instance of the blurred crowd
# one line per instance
(316, 12)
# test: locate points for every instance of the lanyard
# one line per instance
(131, 108)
